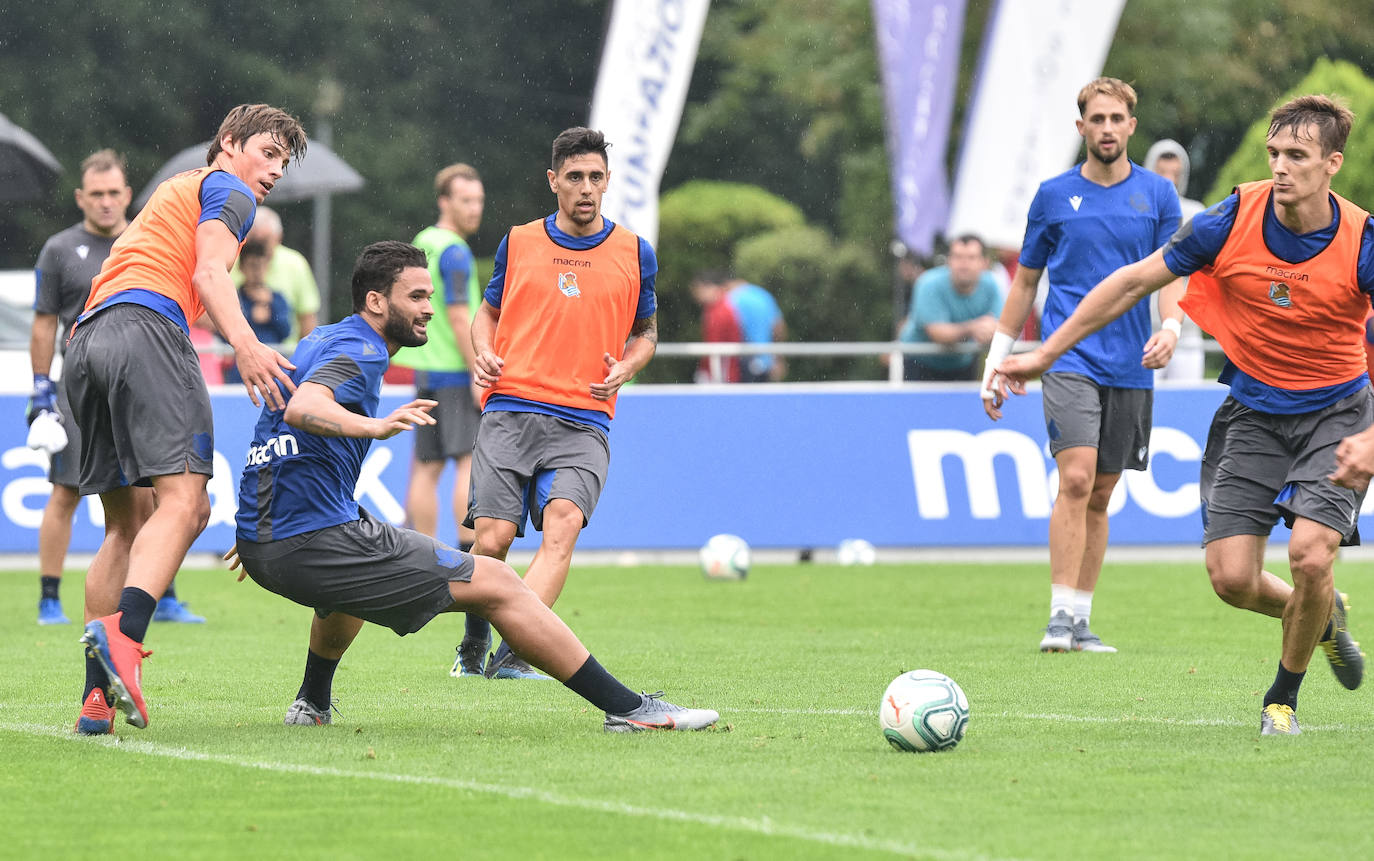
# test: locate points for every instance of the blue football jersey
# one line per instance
(1081, 232)
(295, 481)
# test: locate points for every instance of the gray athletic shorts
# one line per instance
(522, 460)
(365, 568)
(455, 427)
(1116, 422)
(1258, 467)
(137, 393)
(65, 468)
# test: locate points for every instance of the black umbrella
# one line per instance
(27, 169)
(320, 171)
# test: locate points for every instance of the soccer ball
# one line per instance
(725, 557)
(856, 551)
(923, 711)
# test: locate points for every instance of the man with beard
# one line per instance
(302, 535)
(1083, 225)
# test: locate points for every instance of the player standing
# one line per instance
(568, 318)
(138, 395)
(1282, 274)
(441, 364)
(1083, 224)
(302, 534)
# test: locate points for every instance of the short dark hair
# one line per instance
(578, 140)
(103, 160)
(711, 276)
(1331, 117)
(970, 237)
(245, 121)
(253, 249)
(378, 267)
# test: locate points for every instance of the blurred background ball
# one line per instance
(725, 557)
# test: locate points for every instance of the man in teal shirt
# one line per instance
(954, 304)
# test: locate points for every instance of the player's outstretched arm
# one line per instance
(1117, 293)
(262, 368)
(1159, 349)
(313, 409)
(486, 365)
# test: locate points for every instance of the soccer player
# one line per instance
(1282, 274)
(139, 398)
(302, 535)
(66, 265)
(1099, 215)
(441, 364)
(568, 318)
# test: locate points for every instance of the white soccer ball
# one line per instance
(725, 557)
(856, 551)
(922, 711)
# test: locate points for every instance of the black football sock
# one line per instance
(476, 629)
(318, 683)
(137, 607)
(95, 678)
(1284, 691)
(592, 683)
(48, 586)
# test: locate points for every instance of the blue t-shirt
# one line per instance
(648, 304)
(757, 312)
(1197, 243)
(295, 481)
(1082, 232)
(934, 300)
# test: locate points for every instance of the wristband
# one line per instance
(998, 350)
(1171, 325)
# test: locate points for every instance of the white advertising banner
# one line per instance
(1019, 130)
(646, 65)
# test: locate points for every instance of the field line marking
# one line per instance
(764, 826)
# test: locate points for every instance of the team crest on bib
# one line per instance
(567, 284)
(1279, 295)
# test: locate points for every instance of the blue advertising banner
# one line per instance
(783, 466)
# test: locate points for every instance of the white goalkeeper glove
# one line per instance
(46, 432)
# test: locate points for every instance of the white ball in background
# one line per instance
(856, 551)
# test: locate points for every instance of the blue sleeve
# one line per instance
(1197, 243)
(455, 264)
(224, 197)
(497, 285)
(1364, 269)
(1036, 249)
(347, 369)
(648, 275)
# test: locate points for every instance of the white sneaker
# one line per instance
(1058, 633)
(654, 712)
(1084, 640)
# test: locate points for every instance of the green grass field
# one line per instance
(1150, 753)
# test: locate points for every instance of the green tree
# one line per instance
(1356, 178)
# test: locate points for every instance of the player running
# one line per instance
(1282, 274)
